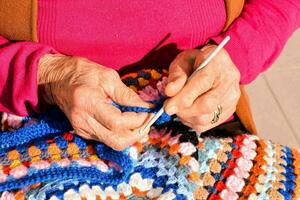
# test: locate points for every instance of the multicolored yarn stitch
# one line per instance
(40, 158)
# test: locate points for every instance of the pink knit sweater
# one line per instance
(142, 33)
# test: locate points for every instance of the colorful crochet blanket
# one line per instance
(40, 158)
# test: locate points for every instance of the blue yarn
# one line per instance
(49, 189)
(46, 126)
(217, 176)
(168, 187)
(229, 155)
(233, 145)
(211, 189)
(160, 181)
(55, 122)
(224, 165)
(289, 183)
(81, 173)
(162, 119)
(112, 177)
(58, 194)
(180, 197)
(75, 172)
(61, 143)
(80, 143)
(148, 172)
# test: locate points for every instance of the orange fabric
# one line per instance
(18, 19)
(233, 10)
(244, 112)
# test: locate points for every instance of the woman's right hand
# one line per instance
(84, 91)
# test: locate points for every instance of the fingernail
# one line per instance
(171, 110)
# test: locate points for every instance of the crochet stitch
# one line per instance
(41, 158)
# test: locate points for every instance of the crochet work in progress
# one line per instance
(41, 158)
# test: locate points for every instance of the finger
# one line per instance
(121, 141)
(88, 127)
(179, 71)
(84, 134)
(223, 94)
(113, 119)
(200, 83)
(223, 117)
(110, 116)
(197, 84)
(129, 137)
(205, 119)
(119, 92)
(116, 140)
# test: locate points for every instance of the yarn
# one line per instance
(41, 158)
(158, 104)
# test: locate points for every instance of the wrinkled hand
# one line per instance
(195, 101)
(84, 91)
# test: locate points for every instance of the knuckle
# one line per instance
(201, 120)
(214, 97)
(109, 78)
(184, 54)
(116, 124)
(193, 53)
(78, 99)
(187, 101)
(204, 84)
(76, 120)
(79, 63)
(109, 74)
(209, 106)
(181, 55)
(129, 94)
(206, 81)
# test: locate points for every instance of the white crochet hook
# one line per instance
(202, 65)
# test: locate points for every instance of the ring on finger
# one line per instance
(217, 114)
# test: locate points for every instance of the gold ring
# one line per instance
(217, 114)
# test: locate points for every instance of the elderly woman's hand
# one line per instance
(195, 101)
(84, 91)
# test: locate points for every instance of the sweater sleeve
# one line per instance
(259, 34)
(18, 75)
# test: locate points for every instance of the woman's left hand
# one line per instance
(216, 85)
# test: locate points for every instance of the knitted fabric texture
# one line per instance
(41, 158)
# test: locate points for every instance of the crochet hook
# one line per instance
(202, 65)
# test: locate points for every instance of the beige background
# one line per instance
(275, 97)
